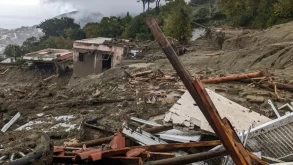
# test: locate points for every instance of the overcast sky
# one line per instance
(17, 13)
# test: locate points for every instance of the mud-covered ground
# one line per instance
(61, 105)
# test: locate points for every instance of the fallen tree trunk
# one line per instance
(189, 158)
(232, 78)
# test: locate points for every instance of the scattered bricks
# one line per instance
(135, 152)
(86, 154)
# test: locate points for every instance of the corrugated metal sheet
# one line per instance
(274, 139)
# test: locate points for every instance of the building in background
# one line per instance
(58, 60)
(95, 55)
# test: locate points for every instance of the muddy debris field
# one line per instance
(251, 69)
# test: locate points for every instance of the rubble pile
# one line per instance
(147, 113)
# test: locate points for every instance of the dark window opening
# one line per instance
(107, 61)
(81, 56)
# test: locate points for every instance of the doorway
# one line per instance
(107, 61)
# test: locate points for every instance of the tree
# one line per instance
(199, 2)
(13, 51)
(138, 29)
(149, 2)
(257, 13)
(143, 4)
(91, 30)
(57, 42)
(158, 3)
(178, 23)
(126, 20)
(236, 11)
(56, 27)
(110, 27)
(75, 34)
(30, 45)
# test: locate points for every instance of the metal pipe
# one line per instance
(189, 158)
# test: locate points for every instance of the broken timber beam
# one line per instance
(232, 78)
(189, 158)
(248, 155)
(199, 94)
(178, 146)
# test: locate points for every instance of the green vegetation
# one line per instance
(58, 33)
(57, 42)
(137, 28)
(91, 30)
(110, 27)
(13, 51)
(257, 13)
(58, 27)
(178, 22)
(174, 18)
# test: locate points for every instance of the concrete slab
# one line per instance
(187, 114)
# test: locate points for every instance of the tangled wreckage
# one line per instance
(202, 127)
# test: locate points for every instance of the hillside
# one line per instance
(82, 17)
(17, 36)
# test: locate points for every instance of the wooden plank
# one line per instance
(250, 157)
(178, 146)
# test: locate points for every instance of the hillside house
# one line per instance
(95, 55)
(57, 60)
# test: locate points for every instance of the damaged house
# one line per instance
(57, 60)
(93, 56)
